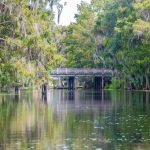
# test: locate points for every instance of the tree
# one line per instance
(80, 40)
(27, 45)
(125, 30)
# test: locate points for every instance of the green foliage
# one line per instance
(27, 47)
(112, 34)
(79, 41)
(127, 49)
(116, 84)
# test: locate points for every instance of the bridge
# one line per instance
(99, 75)
(81, 72)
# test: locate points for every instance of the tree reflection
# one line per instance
(121, 121)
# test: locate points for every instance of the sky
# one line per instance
(69, 11)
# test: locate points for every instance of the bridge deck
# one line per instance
(81, 72)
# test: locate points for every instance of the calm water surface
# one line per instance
(75, 120)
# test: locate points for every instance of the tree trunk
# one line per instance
(147, 81)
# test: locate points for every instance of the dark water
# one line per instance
(75, 120)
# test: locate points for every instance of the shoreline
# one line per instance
(9, 93)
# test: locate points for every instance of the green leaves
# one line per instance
(127, 31)
(26, 41)
(80, 39)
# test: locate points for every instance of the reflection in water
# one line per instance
(71, 94)
(75, 120)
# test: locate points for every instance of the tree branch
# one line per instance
(5, 22)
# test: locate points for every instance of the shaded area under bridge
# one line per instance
(98, 75)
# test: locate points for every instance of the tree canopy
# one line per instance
(115, 35)
(27, 47)
(112, 34)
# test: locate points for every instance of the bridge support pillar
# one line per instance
(59, 81)
(71, 83)
(102, 82)
(99, 82)
(76, 82)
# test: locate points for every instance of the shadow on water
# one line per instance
(75, 120)
(71, 95)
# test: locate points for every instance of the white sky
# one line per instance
(69, 11)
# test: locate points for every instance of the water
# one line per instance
(75, 120)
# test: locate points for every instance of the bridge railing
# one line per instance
(81, 71)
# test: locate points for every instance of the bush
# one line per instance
(116, 84)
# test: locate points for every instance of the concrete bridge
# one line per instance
(99, 75)
(81, 72)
